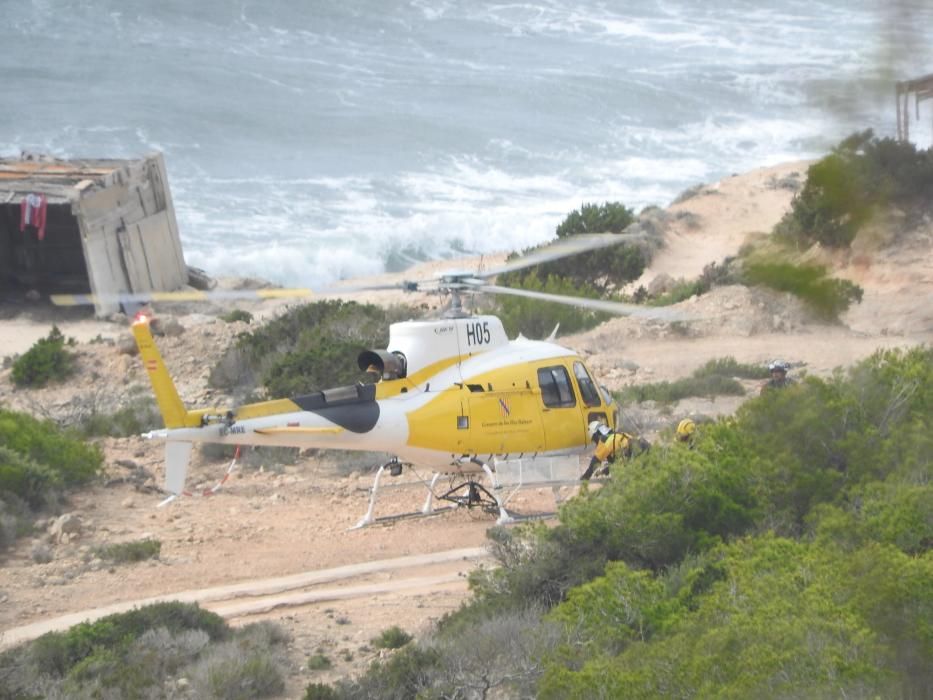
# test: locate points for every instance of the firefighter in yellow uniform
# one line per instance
(687, 431)
(610, 446)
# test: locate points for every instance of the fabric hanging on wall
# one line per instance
(32, 211)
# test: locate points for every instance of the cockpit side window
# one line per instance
(556, 389)
(588, 389)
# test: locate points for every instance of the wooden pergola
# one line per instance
(922, 89)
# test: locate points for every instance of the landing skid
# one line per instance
(476, 495)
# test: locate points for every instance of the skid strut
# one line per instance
(475, 494)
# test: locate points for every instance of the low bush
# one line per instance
(39, 459)
(318, 662)
(59, 652)
(133, 654)
(235, 315)
(139, 415)
(320, 691)
(46, 361)
(730, 367)
(826, 296)
(715, 378)
(128, 552)
(392, 638)
(713, 275)
(308, 348)
(669, 392)
(234, 673)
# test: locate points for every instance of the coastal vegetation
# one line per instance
(594, 275)
(787, 553)
(715, 378)
(38, 462)
(48, 360)
(861, 178)
(161, 650)
(308, 348)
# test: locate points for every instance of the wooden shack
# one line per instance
(105, 227)
(922, 89)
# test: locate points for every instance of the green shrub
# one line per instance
(600, 269)
(235, 315)
(59, 652)
(241, 675)
(609, 217)
(537, 319)
(38, 458)
(320, 691)
(826, 296)
(890, 512)
(742, 636)
(308, 348)
(715, 378)
(32, 483)
(730, 367)
(318, 662)
(713, 275)
(126, 552)
(392, 638)
(862, 175)
(785, 554)
(405, 674)
(669, 392)
(47, 360)
(138, 416)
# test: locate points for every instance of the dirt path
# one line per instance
(410, 576)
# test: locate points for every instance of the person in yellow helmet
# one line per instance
(686, 431)
(610, 445)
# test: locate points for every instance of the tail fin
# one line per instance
(173, 410)
(177, 455)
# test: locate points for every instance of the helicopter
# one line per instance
(452, 395)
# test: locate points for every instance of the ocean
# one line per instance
(313, 141)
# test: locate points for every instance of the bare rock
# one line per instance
(126, 345)
(41, 553)
(172, 327)
(66, 527)
(660, 284)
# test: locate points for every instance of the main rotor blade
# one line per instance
(185, 295)
(404, 286)
(563, 248)
(613, 307)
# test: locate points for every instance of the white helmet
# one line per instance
(778, 366)
(594, 428)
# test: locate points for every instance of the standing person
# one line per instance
(610, 445)
(779, 378)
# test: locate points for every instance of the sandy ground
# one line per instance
(266, 527)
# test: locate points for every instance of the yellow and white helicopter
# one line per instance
(453, 395)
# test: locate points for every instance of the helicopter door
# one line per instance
(505, 422)
(592, 405)
(560, 416)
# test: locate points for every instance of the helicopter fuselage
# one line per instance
(451, 395)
